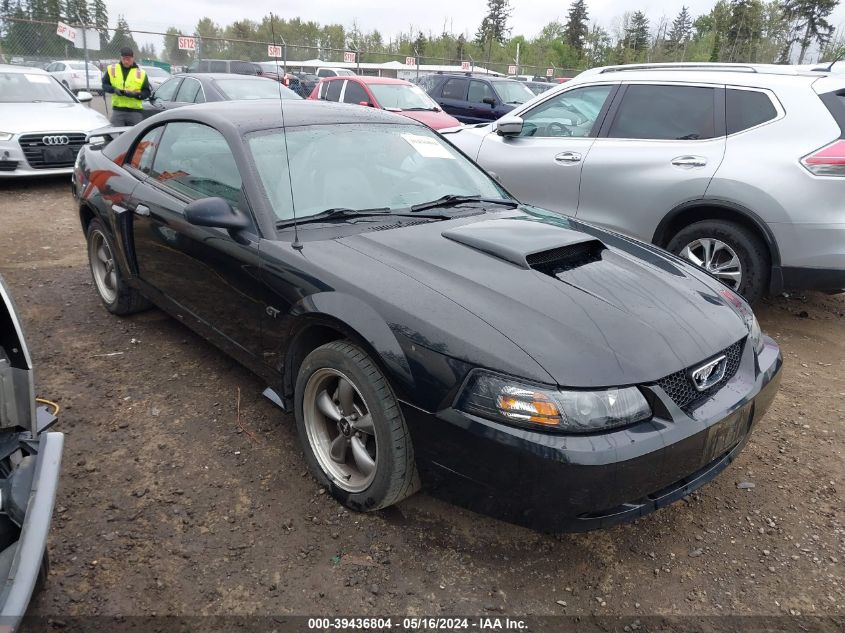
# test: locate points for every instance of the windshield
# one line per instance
(512, 91)
(362, 166)
(256, 88)
(155, 71)
(81, 66)
(402, 96)
(29, 88)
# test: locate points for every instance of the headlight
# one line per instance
(755, 334)
(504, 399)
(5, 136)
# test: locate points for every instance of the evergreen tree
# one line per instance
(122, 37)
(494, 26)
(809, 19)
(637, 35)
(744, 31)
(100, 18)
(680, 32)
(172, 52)
(577, 26)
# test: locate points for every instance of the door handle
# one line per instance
(568, 158)
(142, 210)
(689, 161)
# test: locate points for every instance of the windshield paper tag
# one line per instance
(427, 147)
(37, 79)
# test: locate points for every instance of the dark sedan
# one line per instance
(420, 323)
(188, 89)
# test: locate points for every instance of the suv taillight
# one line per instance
(827, 161)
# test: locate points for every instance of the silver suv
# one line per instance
(738, 168)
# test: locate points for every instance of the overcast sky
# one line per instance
(390, 16)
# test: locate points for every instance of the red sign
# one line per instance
(550, 72)
(465, 66)
(187, 43)
(410, 61)
(348, 57)
(274, 51)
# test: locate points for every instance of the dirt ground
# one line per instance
(167, 506)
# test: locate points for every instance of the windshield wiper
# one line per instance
(334, 213)
(343, 212)
(451, 200)
(420, 109)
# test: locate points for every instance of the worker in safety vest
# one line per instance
(129, 86)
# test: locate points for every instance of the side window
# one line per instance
(188, 91)
(321, 93)
(355, 93)
(333, 90)
(142, 157)
(570, 113)
(666, 113)
(325, 72)
(217, 67)
(479, 91)
(455, 89)
(747, 108)
(196, 161)
(242, 68)
(167, 90)
(200, 98)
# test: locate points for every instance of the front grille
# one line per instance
(8, 165)
(558, 260)
(680, 388)
(38, 153)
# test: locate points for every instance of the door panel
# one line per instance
(453, 97)
(630, 184)
(543, 165)
(213, 277)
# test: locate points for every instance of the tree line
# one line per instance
(761, 31)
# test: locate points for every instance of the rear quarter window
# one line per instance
(835, 103)
(748, 108)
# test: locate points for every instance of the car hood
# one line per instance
(616, 312)
(433, 119)
(20, 118)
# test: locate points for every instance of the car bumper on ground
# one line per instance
(32, 492)
(583, 482)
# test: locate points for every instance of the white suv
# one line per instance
(738, 168)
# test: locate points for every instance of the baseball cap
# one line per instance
(126, 52)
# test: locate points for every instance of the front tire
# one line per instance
(116, 295)
(732, 253)
(355, 440)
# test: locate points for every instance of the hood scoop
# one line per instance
(528, 243)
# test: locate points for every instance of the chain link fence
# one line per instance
(46, 44)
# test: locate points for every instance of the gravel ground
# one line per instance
(184, 492)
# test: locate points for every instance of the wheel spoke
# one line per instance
(707, 245)
(687, 253)
(362, 458)
(102, 255)
(327, 407)
(365, 424)
(346, 396)
(733, 263)
(338, 449)
(111, 280)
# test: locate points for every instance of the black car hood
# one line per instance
(591, 307)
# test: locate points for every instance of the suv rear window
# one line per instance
(666, 113)
(747, 108)
(455, 89)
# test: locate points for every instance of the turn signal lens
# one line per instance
(828, 161)
(523, 404)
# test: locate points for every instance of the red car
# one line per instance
(394, 95)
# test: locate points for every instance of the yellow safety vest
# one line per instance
(134, 80)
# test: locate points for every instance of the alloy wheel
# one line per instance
(103, 266)
(717, 258)
(340, 430)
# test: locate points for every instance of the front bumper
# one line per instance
(21, 560)
(583, 482)
(13, 163)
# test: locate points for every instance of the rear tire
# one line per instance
(749, 249)
(116, 295)
(375, 424)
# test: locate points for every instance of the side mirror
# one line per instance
(489, 101)
(366, 104)
(216, 212)
(84, 97)
(509, 126)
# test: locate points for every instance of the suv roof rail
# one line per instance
(740, 68)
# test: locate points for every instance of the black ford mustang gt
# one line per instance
(420, 323)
